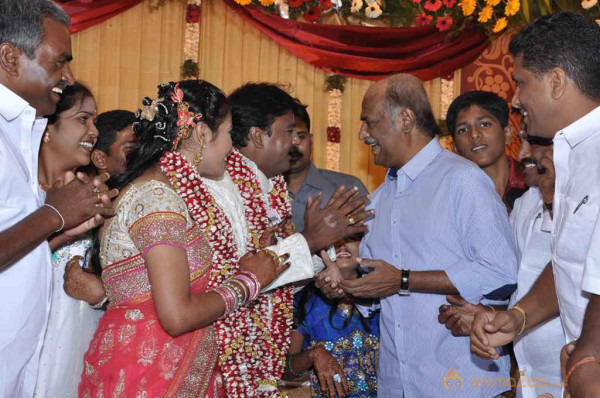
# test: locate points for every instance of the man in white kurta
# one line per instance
(538, 349)
(25, 286)
(36, 51)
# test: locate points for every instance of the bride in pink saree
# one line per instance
(185, 318)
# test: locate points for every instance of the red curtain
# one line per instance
(368, 52)
(86, 13)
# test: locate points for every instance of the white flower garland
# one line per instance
(191, 40)
(334, 128)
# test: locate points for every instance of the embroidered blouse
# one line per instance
(148, 214)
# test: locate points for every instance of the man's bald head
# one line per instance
(406, 91)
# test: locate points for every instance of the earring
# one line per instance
(199, 156)
(46, 138)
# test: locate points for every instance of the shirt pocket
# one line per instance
(575, 232)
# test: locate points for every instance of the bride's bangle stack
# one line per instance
(239, 290)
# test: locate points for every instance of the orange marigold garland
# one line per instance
(252, 346)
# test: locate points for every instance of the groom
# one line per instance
(263, 132)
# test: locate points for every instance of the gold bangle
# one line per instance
(522, 311)
(574, 368)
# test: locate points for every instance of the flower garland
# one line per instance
(252, 347)
(491, 15)
(191, 41)
(335, 87)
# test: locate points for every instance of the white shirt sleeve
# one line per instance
(301, 268)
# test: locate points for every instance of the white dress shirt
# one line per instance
(538, 350)
(25, 285)
(575, 234)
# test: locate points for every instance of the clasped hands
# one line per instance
(82, 202)
(334, 282)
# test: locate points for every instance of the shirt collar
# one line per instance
(11, 105)
(582, 128)
(315, 179)
(420, 161)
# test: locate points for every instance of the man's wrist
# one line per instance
(52, 217)
(309, 242)
(403, 286)
(520, 318)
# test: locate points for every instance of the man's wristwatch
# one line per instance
(404, 290)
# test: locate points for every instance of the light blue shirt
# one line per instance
(439, 212)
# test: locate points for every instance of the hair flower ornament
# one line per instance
(186, 119)
(151, 107)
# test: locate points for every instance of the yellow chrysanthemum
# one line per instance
(492, 3)
(512, 7)
(266, 3)
(500, 25)
(243, 2)
(485, 14)
(468, 7)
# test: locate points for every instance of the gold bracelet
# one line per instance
(574, 368)
(522, 311)
(490, 307)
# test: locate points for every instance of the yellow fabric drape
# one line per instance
(126, 57)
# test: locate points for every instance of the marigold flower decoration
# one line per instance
(468, 7)
(512, 7)
(500, 25)
(243, 2)
(267, 3)
(485, 14)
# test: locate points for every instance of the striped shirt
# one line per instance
(439, 212)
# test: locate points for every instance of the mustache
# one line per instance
(295, 152)
(62, 84)
(530, 160)
(527, 161)
(370, 141)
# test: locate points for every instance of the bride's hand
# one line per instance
(266, 265)
(283, 229)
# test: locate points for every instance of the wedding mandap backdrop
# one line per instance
(327, 52)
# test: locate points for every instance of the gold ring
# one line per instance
(99, 197)
(273, 256)
(351, 221)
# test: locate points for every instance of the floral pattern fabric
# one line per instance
(353, 346)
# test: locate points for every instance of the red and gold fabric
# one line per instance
(131, 354)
